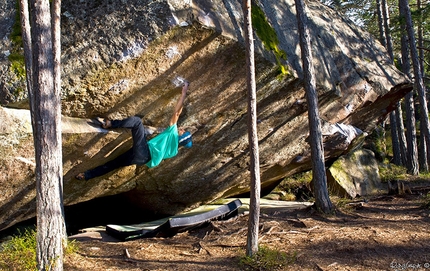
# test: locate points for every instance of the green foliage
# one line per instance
(302, 178)
(426, 201)
(376, 142)
(20, 252)
(290, 185)
(425, 175)
(389, 172)
(267, 259)
(17, 56)
(16, 35)
(296, 180)
(268, 36)
(341, 203)
(18, 64)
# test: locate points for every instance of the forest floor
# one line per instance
(386, 232)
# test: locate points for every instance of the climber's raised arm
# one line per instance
(179, 105)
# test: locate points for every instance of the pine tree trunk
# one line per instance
(26, 38)
(380, 23)
(47, 141)
(412, 163)
(254, 211)
(397, 135)
(424, 163)
(424, 121)
(395, 139)
(420, 37)
(401, 134)
(322, 199)
(56, 46)
(386, 20)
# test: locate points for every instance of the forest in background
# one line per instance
(388, 21)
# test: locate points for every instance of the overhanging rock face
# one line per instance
(356, 82)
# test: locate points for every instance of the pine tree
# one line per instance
(322, 199)
(254, 212)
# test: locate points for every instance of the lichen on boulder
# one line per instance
(355, 174)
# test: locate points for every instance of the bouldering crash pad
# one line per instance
(170, 226)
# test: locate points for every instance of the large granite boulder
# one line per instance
(120, 59)
(355, 174)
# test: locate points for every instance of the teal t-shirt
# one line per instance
(163, 146)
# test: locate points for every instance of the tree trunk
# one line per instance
(411, 135)
(322, 199)
(386, 20)
(412, 164)
(395, 139)
(56, 46)
(401, 134)
(395, 119)
(380, 23)
(420, 37)
(424, 120)
(254, 211)
(47, 142)
(423, 147)
(26, 38)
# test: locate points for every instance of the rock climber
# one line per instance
(145, 152)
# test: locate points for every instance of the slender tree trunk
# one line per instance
(56, 46)
(322, 199)
(26, 38)
(47, 141)
(254, 212)
(423, 148)
(401, 134)
(384, 136)
(380, 23)
(386, 19)
(424, 120)
(397, 135)
(420, 37)
(395, 139)
(412, 164)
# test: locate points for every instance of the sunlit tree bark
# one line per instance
(322, 199)
(254, 212)
(46, 118)
(56, 47)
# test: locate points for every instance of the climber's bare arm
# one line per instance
(179, 105)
